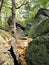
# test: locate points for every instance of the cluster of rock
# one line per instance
(12, 53)
(37, 53)
(5, 45)
(38, 50)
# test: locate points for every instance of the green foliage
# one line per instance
(44, 3)
(7, 5)
(3, 24)
(33, 10)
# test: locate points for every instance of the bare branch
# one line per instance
(17, 7)
(1, 5)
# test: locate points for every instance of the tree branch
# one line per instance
(1, 5)
(17, 7)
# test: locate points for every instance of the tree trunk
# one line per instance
(13, 18)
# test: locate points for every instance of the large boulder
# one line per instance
(5, 45)
(6, 58)
(40, 25)
(38, 51)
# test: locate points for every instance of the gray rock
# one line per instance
(6, 58)
(40, 24)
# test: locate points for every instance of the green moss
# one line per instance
(39, 28)
(37, 52)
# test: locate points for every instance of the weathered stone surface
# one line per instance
(5, 40)
(40, 25)
(5, 45)
(38, 51)
(6, 58)
(42, 11)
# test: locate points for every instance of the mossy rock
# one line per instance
(39, 29)
(40, 25)
(38, 51)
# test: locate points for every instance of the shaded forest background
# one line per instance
(23, 12)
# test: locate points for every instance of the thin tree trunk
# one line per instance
(14, 18)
